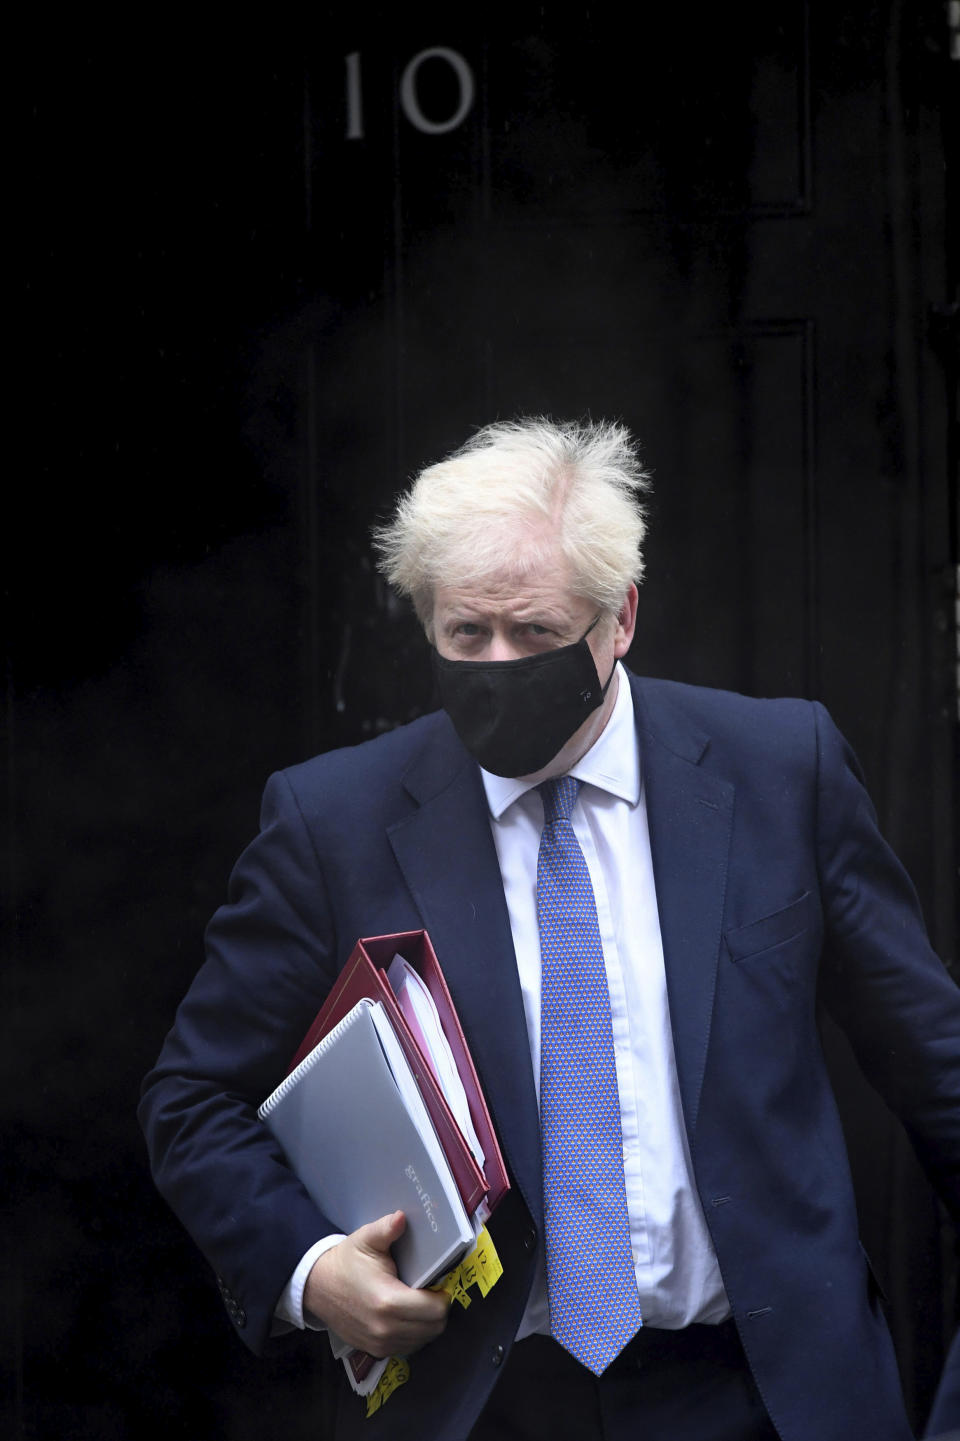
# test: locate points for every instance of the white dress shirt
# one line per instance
(677, 1273)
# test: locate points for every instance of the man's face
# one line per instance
(510, 615)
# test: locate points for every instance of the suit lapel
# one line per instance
(446, 852)
(690, 815)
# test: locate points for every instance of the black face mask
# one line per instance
(515, 715)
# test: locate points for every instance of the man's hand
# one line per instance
(353, 1289)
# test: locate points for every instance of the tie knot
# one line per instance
(559, 798)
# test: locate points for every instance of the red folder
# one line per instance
(364, 976)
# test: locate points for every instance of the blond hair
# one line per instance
(483, 509)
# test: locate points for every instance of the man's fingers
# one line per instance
(378, 1236)
(353, 1289)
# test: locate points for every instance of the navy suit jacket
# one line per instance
(776, 895)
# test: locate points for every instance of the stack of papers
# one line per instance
(376, 1117)
(420, 1012)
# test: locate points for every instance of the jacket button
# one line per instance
(496, 1356)
(530, 1239)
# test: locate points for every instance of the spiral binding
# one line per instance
(287, 1085)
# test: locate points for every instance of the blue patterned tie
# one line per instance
(591, 1277)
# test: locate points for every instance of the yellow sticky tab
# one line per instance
(481, 1268)
(489, 1269)
(449, 1285)
(397, 1372)
(452, 1286)
(468, 1269)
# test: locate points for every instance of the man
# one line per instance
(639, 893)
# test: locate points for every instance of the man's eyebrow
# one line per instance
(452, 614)
(557, 619)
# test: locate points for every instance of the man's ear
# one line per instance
(626, 623)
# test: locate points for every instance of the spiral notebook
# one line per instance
(353, 1126)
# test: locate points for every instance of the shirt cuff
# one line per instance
(289, 1308)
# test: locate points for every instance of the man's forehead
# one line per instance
(520, 598)
(512, 587)
(505, 558)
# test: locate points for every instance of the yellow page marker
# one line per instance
(489, 1269)
(481, 1268)
(396, 1374)
(461, 1294)
(448, 1285)
(468, 1269)
(452, 1286)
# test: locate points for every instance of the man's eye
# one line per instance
(538, 630)
(467, 627)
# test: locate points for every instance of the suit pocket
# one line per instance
(770, 931)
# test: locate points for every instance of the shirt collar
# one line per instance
(612, 763)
